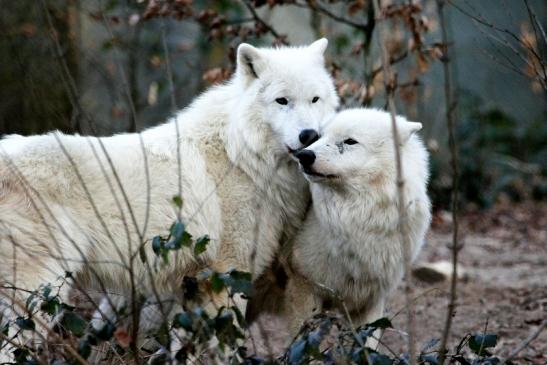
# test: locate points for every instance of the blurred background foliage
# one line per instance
(99, 67)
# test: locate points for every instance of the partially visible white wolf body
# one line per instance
(350, 242)
(61, 203)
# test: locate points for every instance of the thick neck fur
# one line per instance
(350, 213)
(232, 109)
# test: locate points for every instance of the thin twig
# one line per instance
(316, 7)
(173, 110)
(268, 27)
(450, 107)
(535, 21)
(133, 286)
(403, 214)
(74, 98)
(538, 68)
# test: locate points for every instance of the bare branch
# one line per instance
(536, 63)
(281, 38)
(450, 105)
(402, 207)
(535, 21)
(317, 7)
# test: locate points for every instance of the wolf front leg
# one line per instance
(375, 312)
(300, 303)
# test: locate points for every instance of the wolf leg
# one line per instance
(300, 303)
(371, 315)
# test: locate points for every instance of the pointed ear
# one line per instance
(407, 129)
(319, 46)
(250, 62)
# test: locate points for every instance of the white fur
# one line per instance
(239, 184)
(350, 242)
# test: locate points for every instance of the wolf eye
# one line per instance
(315, 99)
(350, 141)
(282, 101)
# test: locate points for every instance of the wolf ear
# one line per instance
(250, 62)
(407, 129)
(319, 46)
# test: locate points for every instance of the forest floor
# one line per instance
(502, 286)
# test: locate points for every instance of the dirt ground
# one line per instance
(503, 284)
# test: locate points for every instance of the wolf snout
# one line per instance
(308, 136)
(305, 157)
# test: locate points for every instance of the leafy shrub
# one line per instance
(219, 337)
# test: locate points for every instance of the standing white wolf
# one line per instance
(61, 198)
(350, 242)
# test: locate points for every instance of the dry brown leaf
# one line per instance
(122, 337)
(216, 75)
(356, 6)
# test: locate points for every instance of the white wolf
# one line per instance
(349, 242)
(62, 207)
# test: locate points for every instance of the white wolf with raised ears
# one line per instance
(349, 243)
(60, 200)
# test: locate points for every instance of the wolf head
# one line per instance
(289, 90)
(356, 150)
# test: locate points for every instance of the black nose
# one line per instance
(306, 157)
(308, 136)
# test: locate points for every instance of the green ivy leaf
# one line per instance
(297, 352)
(177, 229)
(314, 340)
(186, 239)
(51, 306)
(223, 320)
(67, 307)
(74, 323)
(190, 287)
(183, 320)
(480, 342)
(84, 348)
(105, 333)
(179, 237)
(25, 324)
(21, 355)
(162, 336)
(201, 245)
(366, 332)
(382, 323)
(157, 245)
(31, 303)
(178, 201)
(217, 283)
(239, 316)
(239, 282)
(47, 291)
